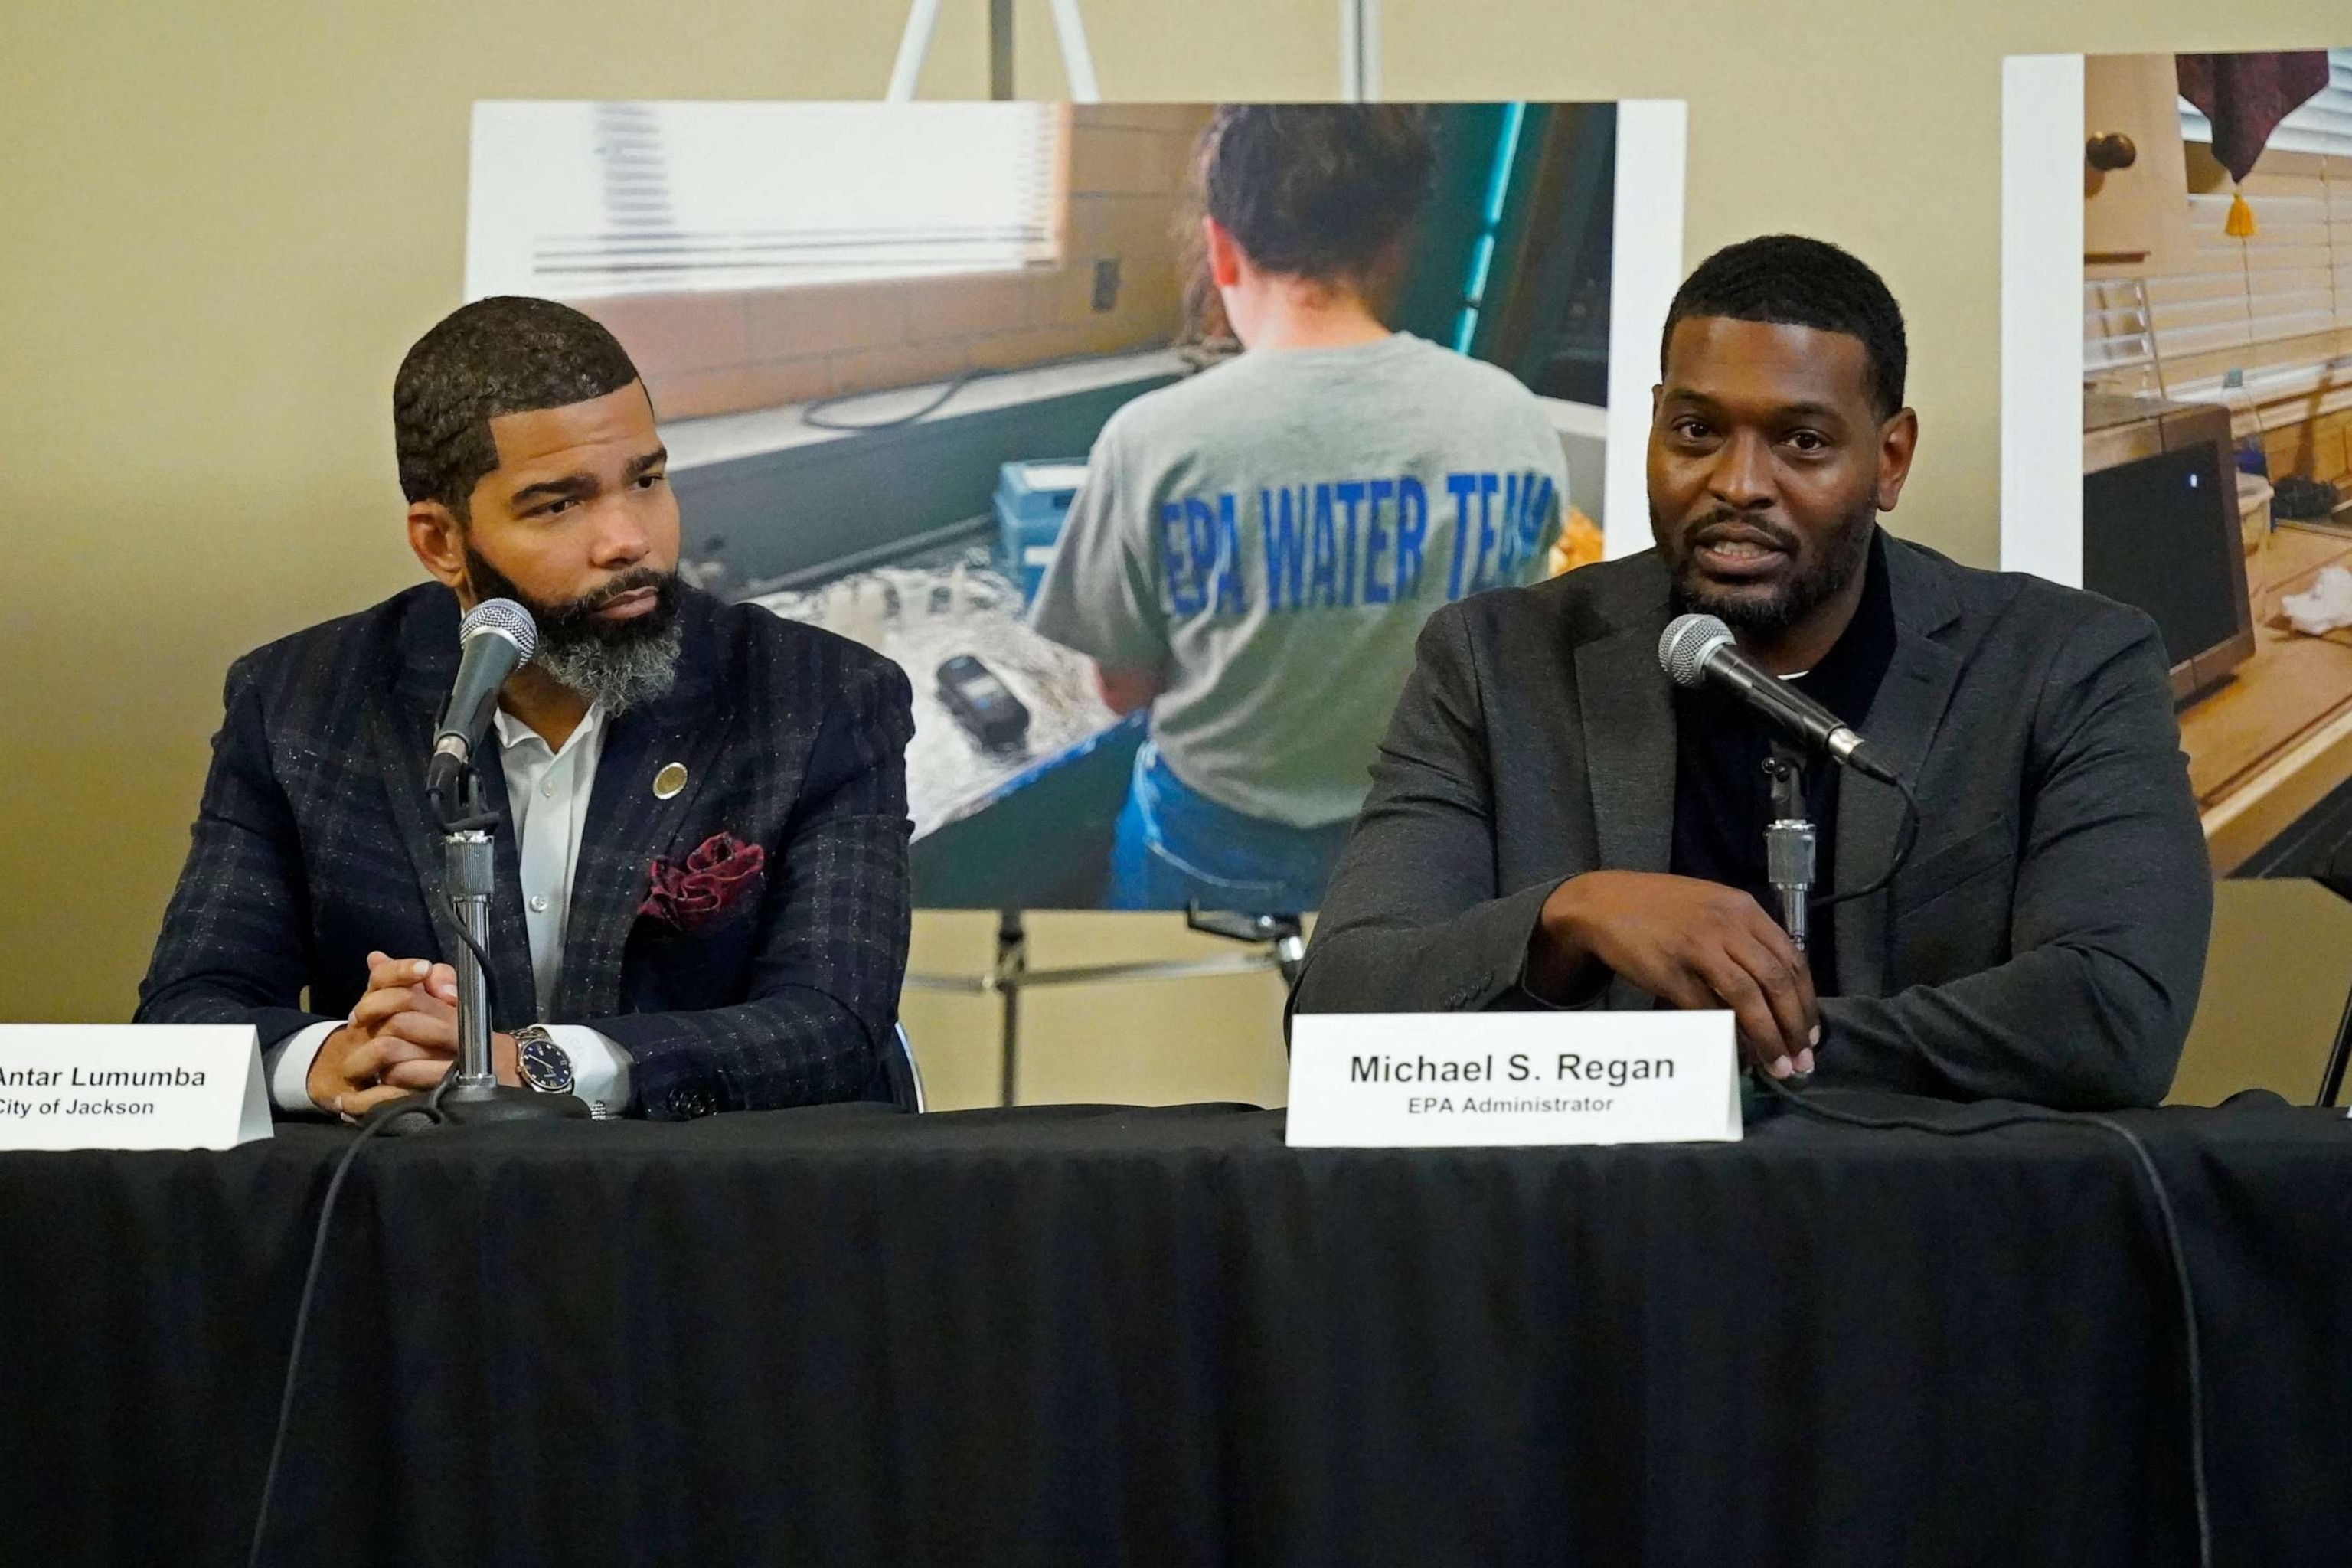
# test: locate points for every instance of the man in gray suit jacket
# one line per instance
(1553, 824)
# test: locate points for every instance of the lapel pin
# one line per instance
(670, 781)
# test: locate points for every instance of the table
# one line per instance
(2273, 740)
(925, 607)
(1101, 1335)
(980, 815)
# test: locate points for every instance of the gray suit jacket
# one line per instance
(2044, 942)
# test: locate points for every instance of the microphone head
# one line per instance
(501, 617)
(1688, 640)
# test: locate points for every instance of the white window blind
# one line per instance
(2278, 283)
(584, 200)
(2290, 278)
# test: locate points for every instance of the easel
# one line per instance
(2336, 878)
(2331, 1077)
(1359, 51)
(923, 21)
(1280, 938)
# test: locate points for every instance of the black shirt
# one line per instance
(1722, 797)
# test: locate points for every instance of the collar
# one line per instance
(513, 731)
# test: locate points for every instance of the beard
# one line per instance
(620, 664)
(1839, 555)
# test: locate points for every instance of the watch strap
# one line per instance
(537, 1034)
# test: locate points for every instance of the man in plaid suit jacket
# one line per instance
(702, 895)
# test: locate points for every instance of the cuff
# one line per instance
(1586, 988)
(600, 1068)
(287, 1065)
(1587, 991)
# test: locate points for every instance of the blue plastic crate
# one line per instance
(1033, 497)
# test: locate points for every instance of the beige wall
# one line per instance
(224, 224)
(2281, 965)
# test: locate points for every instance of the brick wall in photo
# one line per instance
(1123, 198)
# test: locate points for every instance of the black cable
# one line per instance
(2169, 1224)
(383, 1117)
(377, 1121)
(813, 416)
(2189, 1315)
(1905, 837)
(481, 960)
(457, 816)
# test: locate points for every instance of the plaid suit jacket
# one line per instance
(315, 843)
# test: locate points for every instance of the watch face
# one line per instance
(544, 1066)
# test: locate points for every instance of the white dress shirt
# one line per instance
(547, 794)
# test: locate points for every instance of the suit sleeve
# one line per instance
(235, 948)
(823, 996)
(2112, 907)
(1414, 921)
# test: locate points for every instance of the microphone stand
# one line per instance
(1789, 844)
(474, 1094)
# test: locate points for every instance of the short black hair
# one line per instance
(1789, 280)
(505, 354)
(1321, 191)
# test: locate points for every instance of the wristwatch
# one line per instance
(543, 1065)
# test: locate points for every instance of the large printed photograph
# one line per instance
(2211, 373)
(1144, 438)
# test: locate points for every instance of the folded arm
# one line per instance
(2113, 908)
(1414, 920)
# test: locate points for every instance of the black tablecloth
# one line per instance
(1078, 1335)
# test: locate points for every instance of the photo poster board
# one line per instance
(2177, 402)
(882, 340)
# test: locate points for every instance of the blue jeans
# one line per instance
(1174, 846)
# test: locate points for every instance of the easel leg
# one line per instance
(1077, 60)
(914, 46)
(1011, 960)
(1000, 49)
(2331, 1078)
(923, 21)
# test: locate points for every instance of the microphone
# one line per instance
(1699, 649)
(498, 636)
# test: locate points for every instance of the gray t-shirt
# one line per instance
(1269, 537)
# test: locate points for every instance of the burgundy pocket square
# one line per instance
(693, 895)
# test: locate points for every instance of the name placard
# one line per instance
(1387, 1080)
(131, 1086)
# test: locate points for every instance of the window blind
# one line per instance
(584, 200)
(2290, 278)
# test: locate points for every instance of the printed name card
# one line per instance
(131, 1086)
(1388, 1080)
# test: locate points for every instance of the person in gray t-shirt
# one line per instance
(1253, 550)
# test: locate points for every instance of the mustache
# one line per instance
(1781, 537)
(629, 582)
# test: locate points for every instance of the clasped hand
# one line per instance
(401, 1038)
